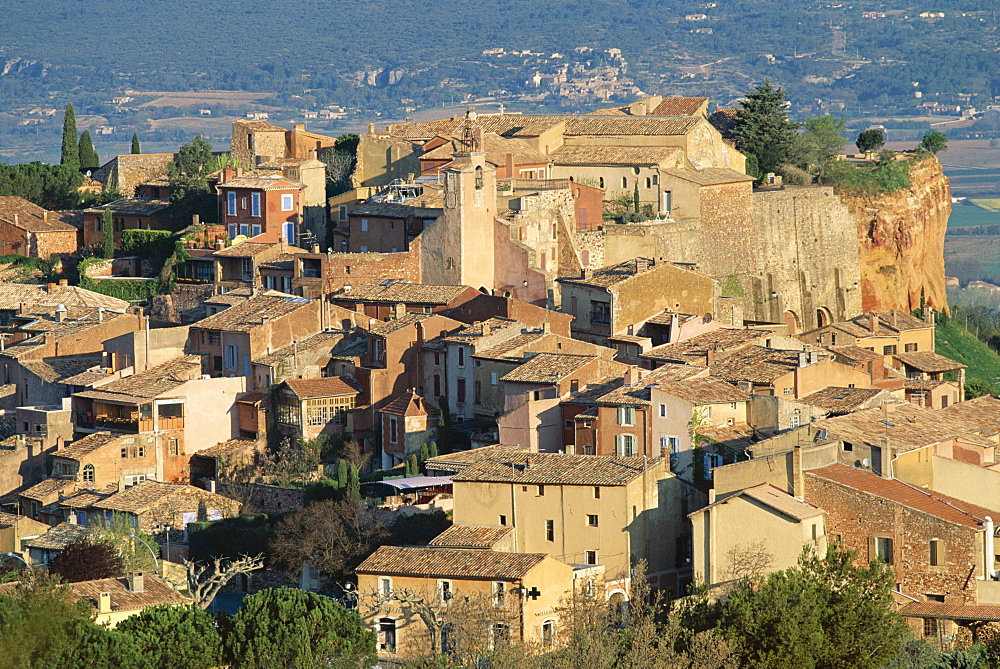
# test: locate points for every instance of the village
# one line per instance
(593, 344)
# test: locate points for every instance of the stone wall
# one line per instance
(127, 171)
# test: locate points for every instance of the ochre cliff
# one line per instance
(901, 240)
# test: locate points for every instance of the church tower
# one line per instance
(458, 249)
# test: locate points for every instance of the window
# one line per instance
(590, 557)
(231, 356)
(255, 204)
(550, 530)
(683, 551)
(213, 338)
(889, 350)
(231, 203)
(503, 520)
(174, 449)
(649, 183)
(499, 594)
(793, 421)
(387, 635)
(393, 430)
(626, 416)
(549, 634)
(364, 225)
(142, 451)
(499, 635)
(597, 492)
(663, 411)
(477, 392)
(88, 474)
(493, 378)
(930, 627)
(460, 390)
(541, 491)
(461, 356)
(624, 182)
(444, 592)
(437, 385)
(625, 445)
(342, 212)
(670, 444)
(124, 453)
(287, 202)
(787, 391)
(882, 549)
(937, 553)
(246, 265)
(910, 348)
(385, 587)
(711, 461)
(591, 520)
(600, 182)
(600, 312)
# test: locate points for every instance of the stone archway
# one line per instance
(791, 320)
(823, 317)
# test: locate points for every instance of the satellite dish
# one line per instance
(866, 463)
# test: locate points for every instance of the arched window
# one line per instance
(624, 182)
(549, 634)
(479, 177)
(649, 182)
(822, 317)
(600, 181)
(88, 474)
(387, 635)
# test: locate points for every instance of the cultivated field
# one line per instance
(198, 98)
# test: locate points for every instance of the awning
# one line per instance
(414, 482)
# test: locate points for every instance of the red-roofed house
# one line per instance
(29, 230)
(309, 408)
(408, 421)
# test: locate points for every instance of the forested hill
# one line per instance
(317, 48)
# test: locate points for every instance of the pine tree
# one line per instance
(107, 234)
(342, 474)
(89, 159)
(763, 128)
(175, 637)
(135, 144)
(70, 148)
(353, 485)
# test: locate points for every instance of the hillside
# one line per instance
(954, 341)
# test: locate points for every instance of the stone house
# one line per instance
(230, 339)
(241, 265)
(29, 230)
(780, 373)
(127, 214)
(512, 158)
(125, 173)
(319, 274)
(103, 459)
(309, 408)
(885, 332)
(266, 209)
(306, 358)
(116, 599)
(389, 298)
(611, 511)
(521, 592)
(614, 299)
(925, 382)
(483, 307)
(49, 543)
(152, 505)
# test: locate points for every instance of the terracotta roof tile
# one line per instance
(227, 447)
(249, 314)
(926, 501)
(30, 217)
(907, 426)
(321, 340)
(547, 368)
(455, 462)
(613, 391)
(384, 328)
(949, 611)
(928, 361)
(711, 176)
(396, 291)
(450, 562)
(470, 536)
(243, 250)
(86, 445)
(156, 592)
(756, 364)
(855, 353)
(510, 349)
(331, 386)
(135, 206)
(841, 400)
(558, 469)
(693, 351)
(59, 537)
(615, 155)
(46, 489)
(704, 391)
(471, 334)
(150, 383)
(262, 183)
(143, 495)
(773, 497)
(677, 105)
(610, 275)
(409, 403)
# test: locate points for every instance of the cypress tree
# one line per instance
(635, 197)
(414, 466)
(135, 144)
(88, 156)
(425, 452)
(342, 474)
(433, 449)
(70, 148)
(353, 485)
(107, 235)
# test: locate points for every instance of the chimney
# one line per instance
(710, 356)
(17, 219)
(873, 317)
(300, 127)
(895, 318)
(798, 481)
(63, 282)
(314, 248)
(104, 603)
(195, 219)
(371, 128)
(61, 313)
(510, 165)
(211, 485)
(586, 273)
(313, 154)
(136, 582)
(546, 328)
(631, 375)
(803, 358)
(51, 288)
(885, 459)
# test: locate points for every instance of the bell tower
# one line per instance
(458, 248)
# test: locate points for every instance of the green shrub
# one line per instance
(884, 177)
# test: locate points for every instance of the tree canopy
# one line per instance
(933, 142)
(870, 140)
(298, 630)
(823, 139)
(175, 637)
(764, 129)
(136, 149)
(87, 560)
(70, 147)
(89, 159)
(188, 174)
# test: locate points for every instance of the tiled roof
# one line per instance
(30, 217)
(227, 447)
(919, 499)
(710, 176)
(243, 250)
(773, 497)
(331, 386)
(470, 334)
(983, 410)
(326, 339)
(397, 291)
(281, 262)
(134, 206)
(613, 391)
(143, 495)
(612, 274)
(409, 403)
(524, 125)
(928, 361)
(88, 378)
(907, 426)
(86, 445)
(547, 368)
(738, 436)
(724, 119)
(251, 313)
(669, 373)
(951, 611)
(395, 210)
(262, 183)
(84, 498)
(509, 349)
(259, 126)
(59, 537)
(150, 383)
(156, 592)
(494, 146)
(384, 328)
(704, 391)
(676, 105)
(890, 324)
(450, 562)
(470, 536)
(56, 370)
(45, 489)
(614, 155)
(455, 462)
(37, 298)
(694, 350)
(923, 384)
(557, 469)
(841, 400)
(756, 364)
(855, 353)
